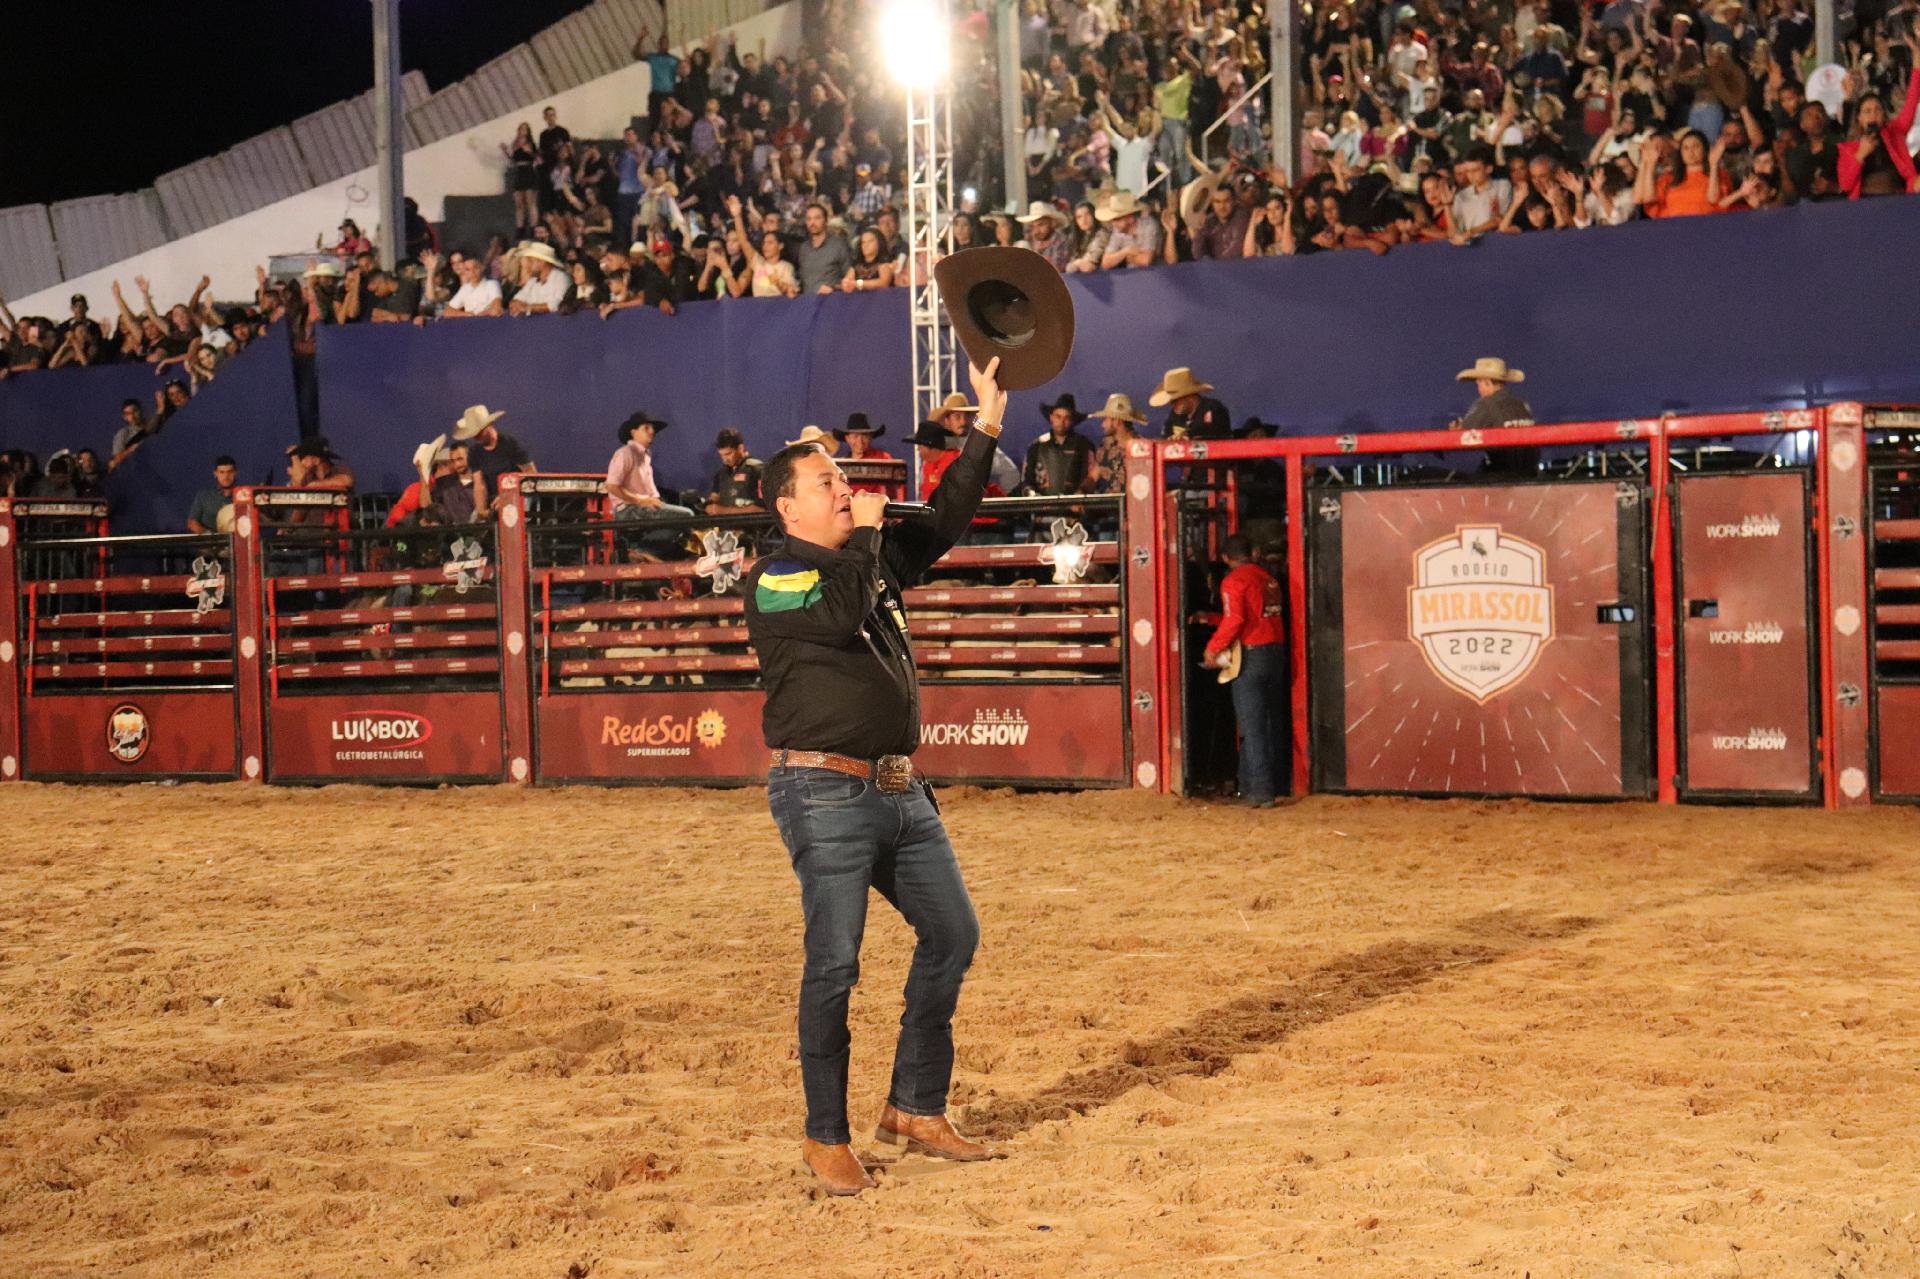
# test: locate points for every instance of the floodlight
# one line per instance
(913, 42)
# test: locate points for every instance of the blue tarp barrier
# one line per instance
(1770, 310)
(247, 411)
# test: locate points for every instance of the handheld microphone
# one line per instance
(907, 510)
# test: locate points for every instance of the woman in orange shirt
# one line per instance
(1670, 189)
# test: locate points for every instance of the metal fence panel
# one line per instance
(28, 260)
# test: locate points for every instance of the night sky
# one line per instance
(104, 97)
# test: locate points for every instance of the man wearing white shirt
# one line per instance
(476, 295)
(546, 285)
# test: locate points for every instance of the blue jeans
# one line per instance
(1263, 677)
(843, 836)
(1171, 151)
(660, 541)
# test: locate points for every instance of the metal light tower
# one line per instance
(914, 35)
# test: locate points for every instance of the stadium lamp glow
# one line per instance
(913, 42)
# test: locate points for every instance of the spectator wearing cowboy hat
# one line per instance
(827, 442)
(545, 285)
(956, 415)
(937, 451)
(1042, 223)
(858, 435)
(1061, 461)
(736, 485)
(1498, 406)
(630, 483)
(312, 464)
(429, 462)
(1132, 240)
(1196, 415)
(325, 283)
(491, 453)
(477, 294)
(1118, 420)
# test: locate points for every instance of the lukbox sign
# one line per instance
(1479, 639)
(998, 732)
(415, 736)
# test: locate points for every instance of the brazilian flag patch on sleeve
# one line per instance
(785, 585)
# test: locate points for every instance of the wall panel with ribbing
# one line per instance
(510, 82)
(338, 140)
(100, 229)
(28, 259)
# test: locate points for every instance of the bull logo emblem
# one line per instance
(128, 733)
(1067, 551)
(1480, 609)
(208, 585)
(467, 565)
(722, 561)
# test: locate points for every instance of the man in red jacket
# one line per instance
(1250, 616)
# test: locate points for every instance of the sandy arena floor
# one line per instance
(505, 1033)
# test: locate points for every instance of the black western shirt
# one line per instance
(831, 631)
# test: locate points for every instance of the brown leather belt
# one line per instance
(890, 774)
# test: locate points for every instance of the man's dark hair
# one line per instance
(1237, 547)
(728, 439)
(224, 460)
(776, 479)
(135, 404)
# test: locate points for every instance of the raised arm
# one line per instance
(916, 544)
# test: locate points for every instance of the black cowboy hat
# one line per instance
(933, 435)
(1252, 424)
(1064, 402)
(1009, 303)
(640, 417)
(857, 424)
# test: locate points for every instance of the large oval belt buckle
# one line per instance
(893, 773)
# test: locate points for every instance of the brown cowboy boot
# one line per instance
(928, 1134)
(839, 1171)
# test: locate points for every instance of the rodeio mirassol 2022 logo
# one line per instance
(1480, 609)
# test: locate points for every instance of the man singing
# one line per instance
(842, 720)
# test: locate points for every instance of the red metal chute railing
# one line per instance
(576, 654)
(643, 670)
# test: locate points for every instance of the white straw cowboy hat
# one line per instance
(1177, 384)
(814, 435)
(1037, 210)
(330, 269)
(427, 454)
(474, 421)
(1121, 205)
(1492, 369)
(1121, 406)
(541, 253)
